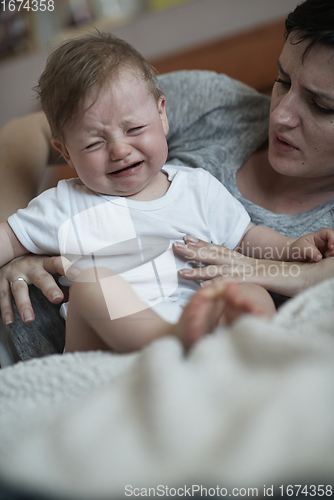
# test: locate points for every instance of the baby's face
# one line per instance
(118, 146)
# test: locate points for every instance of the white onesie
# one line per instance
(134, 238)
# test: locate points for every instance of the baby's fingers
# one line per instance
(324, 239)
(306, 249)
(312, 253)
(331, 240)
(329, 253)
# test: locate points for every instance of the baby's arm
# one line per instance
(264, 243)
(10, 247)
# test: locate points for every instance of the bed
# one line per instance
(249, 407)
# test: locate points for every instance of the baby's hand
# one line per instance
(313, 246)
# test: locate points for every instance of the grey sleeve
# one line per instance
(209, 115)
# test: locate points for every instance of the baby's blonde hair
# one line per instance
(80, 65)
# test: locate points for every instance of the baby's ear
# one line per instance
(162, 113)
(59, 146)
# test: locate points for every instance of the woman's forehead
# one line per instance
(299, 56)
(306, 44)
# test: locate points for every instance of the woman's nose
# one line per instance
(119, 150)
(285, 111)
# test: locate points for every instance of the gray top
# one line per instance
(217, 123)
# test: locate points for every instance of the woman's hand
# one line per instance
(218, 260)
(221, 263)
(36, 270)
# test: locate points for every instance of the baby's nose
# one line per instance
(119, 150)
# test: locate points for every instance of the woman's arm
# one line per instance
(25, 150)
(10, 246)
(286, 278)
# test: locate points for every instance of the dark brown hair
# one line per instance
(312, 20)
(79, 65)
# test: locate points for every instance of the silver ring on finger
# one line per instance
(18, 278)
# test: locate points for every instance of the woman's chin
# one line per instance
(286, 166)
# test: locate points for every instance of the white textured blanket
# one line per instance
(250, 406)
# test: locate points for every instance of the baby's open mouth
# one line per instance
(134, 165)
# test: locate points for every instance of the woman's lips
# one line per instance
(283, 146)
(125, 172)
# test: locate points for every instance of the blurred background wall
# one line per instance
(240, 37)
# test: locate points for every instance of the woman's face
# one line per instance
(301, 132)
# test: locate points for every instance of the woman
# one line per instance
(285, 179)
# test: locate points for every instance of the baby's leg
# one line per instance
(246, 298)
(218, 305)
(201, 315)
(89, 325)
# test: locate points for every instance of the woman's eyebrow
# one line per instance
(316, 92)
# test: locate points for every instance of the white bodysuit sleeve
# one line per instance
(227, 219)
(36, 226)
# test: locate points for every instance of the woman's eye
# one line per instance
(284, 83)
(322, 109)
